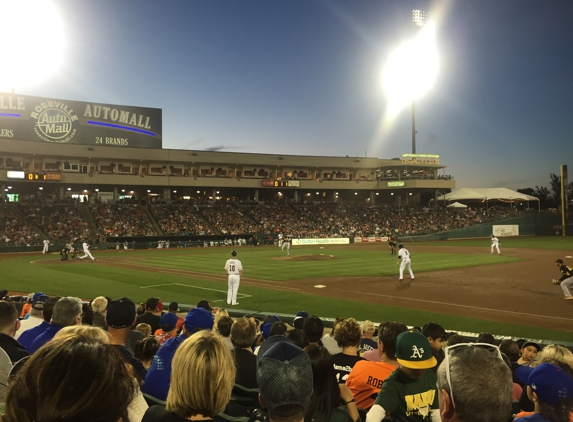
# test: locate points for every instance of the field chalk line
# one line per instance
(192, 287)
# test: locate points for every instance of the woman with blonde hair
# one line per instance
(85, 331)
(144, 328)
(202, 378)
(218, 315)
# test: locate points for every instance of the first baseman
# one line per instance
(234, 270)
(405, 256)
(566, 280)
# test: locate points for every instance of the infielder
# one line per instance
(566, 280)
(286, 244)
(405, 256)
(234, 270)
(46, 246)
(280, 240)
(87, 252)
(495, 244)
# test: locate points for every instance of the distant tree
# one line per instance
(544, 195)
(556, 188)
(527, 191)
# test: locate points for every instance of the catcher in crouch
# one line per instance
(566, 280)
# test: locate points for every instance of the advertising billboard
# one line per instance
(27, 118)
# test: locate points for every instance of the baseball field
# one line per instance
(458, 284)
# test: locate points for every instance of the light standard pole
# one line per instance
(420, 18)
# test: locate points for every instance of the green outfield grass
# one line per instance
(557, 242)
(29, 273)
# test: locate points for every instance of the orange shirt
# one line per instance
(25, 309)
(365, 381)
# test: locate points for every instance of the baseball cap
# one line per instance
(368, 326)
(298, 322)
(413, 351)
(39, 300)
(173, 306)
(198, 319)
(266, 330)
(531, 343)
(559, 261)
(168, 321)
(270, 342)
(548, 381)
(152, 303)
(121, 313)
(302, 314)
(205, 305)
(30, 297)
(284, 376)
(234, 253)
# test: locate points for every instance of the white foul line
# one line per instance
(467, 306)
(193, 287)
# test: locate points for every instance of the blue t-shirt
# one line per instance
(28, 336)
(45, 337)
(158, 376)
(536, 417)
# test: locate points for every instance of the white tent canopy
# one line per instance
(457, 205)
(486, 194)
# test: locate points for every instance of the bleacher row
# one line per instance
(30, 223)
(205, 365)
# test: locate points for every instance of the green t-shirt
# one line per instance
(408, 399)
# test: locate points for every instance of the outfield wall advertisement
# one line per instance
(371, 239)
(27, 118)
(328, 241)
(507, 230)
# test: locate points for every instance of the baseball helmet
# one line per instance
(559, 261)
(234, 253)
(400, 246)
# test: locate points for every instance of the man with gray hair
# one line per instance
(67, 312)
(479, 386)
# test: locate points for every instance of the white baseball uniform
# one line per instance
(87, 252)
(404, 255)
(46, 246)
(234, 270)
(286, 244)
(280, 240)
(495, 244)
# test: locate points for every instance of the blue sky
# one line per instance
(304, 77)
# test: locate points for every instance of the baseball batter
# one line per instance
(495, 244)
(405, 256)
(566, 280)
(87, 252)
(46, 246)
(234, 270)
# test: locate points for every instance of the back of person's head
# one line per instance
(284, 377)
(224, 325)
(99, 304)
(298, 337)
(555, 353)
(67, 311)
(202, 377)
(337, 322)
(218, 315)
(486, 338)
(278, 328)
(8, 316)
(144, 328)
(85, 331)
(509, 348)
(326, 393)
(243, 333)
(313, 327)
(49, 307)
(151, 304)
(434, 331)
(73, 379)
(388, 333)
(348, 334)
(480, 387)
(456, 339)
(146, 348)
(87, 314)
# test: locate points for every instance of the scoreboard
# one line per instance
(281, 183)
(34, 176)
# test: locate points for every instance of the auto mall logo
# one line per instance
(55, 122)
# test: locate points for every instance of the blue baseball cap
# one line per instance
(550, 382)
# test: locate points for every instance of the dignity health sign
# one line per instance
(27, 118)
(329, 241)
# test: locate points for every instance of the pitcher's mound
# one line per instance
(312, 257)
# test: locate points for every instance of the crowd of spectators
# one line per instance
(15, 230)
(180, 219)
(57, 222)
(122, 220)
(149, 364)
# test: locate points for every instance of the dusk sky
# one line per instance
(305, 77)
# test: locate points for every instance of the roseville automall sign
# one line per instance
(27, 118)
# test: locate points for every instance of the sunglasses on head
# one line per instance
(448, 350)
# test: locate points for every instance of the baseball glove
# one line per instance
(556, 281)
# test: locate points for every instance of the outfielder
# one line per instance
(234, 270)
(87, 252)
(405, 256)
(495, 244)
(286, 244)
(46, 243)
(392, 244)
(566, 280)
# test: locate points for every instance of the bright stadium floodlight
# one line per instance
(412, 69)
(35, 48)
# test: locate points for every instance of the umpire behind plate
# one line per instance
(566, 280)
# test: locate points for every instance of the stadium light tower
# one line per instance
(420, 18)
